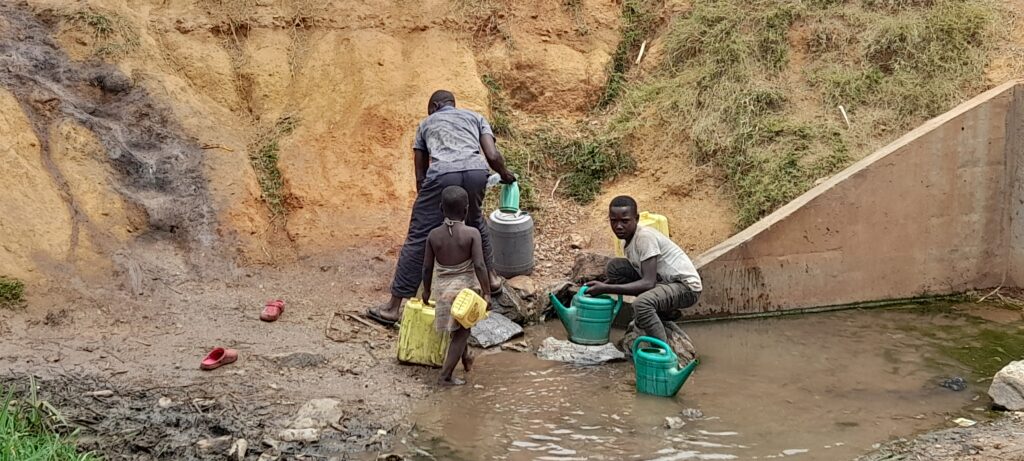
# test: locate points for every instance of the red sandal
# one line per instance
(272, 310)
(218, 357)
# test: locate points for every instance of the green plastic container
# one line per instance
(657, 368)
(588, 319)
(509, 201)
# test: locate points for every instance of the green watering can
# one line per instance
(657, 368)
(588, 319)
(509, 200)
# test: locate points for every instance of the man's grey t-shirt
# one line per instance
(673, 264)
(452, 138)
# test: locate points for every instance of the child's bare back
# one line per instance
(454, 248)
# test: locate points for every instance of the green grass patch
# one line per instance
(501, 118)
(115, 36)
(575, 9)
(639, 20)
(724, 90)
(31, 429)
(12, 292)
(264, 159)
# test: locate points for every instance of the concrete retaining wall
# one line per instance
(938, 211)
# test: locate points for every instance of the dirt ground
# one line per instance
(147, 348)
(999, 440)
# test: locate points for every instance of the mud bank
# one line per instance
(999, 440)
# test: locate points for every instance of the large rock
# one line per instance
(589, 266)
(512, 305)
(565, 351)
(493, 330)
(525, 287)
(681, 343)
(1007, 389)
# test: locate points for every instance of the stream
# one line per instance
(818, 386)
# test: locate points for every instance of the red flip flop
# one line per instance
(218, 357)
(272, 310)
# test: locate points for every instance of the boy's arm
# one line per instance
(649, 269)
(422, 161)
(481, 267)
(428, 268)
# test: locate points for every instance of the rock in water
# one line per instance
(681, 343)
(589, 266)
(955, 383)
(1007, 388)
(674, 422)
(493, 330)
(565, 351)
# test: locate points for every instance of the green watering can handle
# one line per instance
(654, 341)
(618, 305)
(583, 290)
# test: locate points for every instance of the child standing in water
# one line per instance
(454, 259)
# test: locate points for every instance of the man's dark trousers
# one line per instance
(663, 302)
(427, 215)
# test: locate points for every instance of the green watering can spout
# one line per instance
(565, 314)
(679, 376)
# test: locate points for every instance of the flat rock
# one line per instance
(317, 414)
(564, 351)
(1007, 389)
(300, 435)
(493, 330)
(300, 360)
(219, 445)
(589, 266)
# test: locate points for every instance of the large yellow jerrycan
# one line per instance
(418, 341)
(468, 308)
(648, 219)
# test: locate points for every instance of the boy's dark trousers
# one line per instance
(661, 303)
(427, 215)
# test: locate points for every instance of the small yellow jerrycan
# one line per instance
(468, 308)
(648, 219)
(418, 341)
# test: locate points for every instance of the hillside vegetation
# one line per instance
(754, 88)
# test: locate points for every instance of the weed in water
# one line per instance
(264, 161)
(31, 429)
(12, 292)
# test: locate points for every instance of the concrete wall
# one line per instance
(935, 212)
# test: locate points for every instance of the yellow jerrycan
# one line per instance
(468, 308)
(647, 219)
(418, 341)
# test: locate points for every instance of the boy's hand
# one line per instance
(595, 288)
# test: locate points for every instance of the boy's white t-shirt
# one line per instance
(673, 264)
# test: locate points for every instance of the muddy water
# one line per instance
(824, 386)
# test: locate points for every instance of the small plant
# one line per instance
(501, 122)
(12, 292)
(31, 429)
(575, 8)
(638, 22)
(115, 36)
(264, 161)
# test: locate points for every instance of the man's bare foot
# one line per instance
(467, 361)
(453, 381)
(495, 280)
